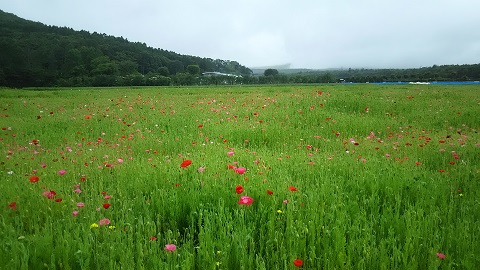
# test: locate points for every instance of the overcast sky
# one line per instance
(304, 33)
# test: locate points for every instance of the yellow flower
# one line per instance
(279, 211)
(111, 227)
(94, 225)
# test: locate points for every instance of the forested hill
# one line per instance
(34, 54)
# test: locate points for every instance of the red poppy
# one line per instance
(239, 189)
(13, 206)
(34, 179)
(106, 205)
(298, 263)
(292, 188)
(185, 163)
(153, 238)
(269, 192)
(58, 199)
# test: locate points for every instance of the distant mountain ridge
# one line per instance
(34, 54)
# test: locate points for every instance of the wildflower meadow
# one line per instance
(241, 177)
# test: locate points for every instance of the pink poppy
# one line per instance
(62, 172)
(104, 221)
(49, 194)
(170, 247)
(245, 200)
(240, 170)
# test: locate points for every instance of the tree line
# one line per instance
(36, 55)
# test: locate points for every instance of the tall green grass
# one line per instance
(378, 185)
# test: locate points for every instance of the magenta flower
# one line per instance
(230, 153)
(240, 170)
(170, 247)
(78, 190)
(104, 221)
(200, 169)
(62, 172)
(245, 200)
(80, 204)
(441, 255)
(74, 213)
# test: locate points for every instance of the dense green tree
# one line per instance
(103, 66)
(163, 71)
(270, 72)
(193, 69)
(126, 67)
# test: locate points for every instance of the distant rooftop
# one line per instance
(215, 73)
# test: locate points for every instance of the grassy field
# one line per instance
(270, 177)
